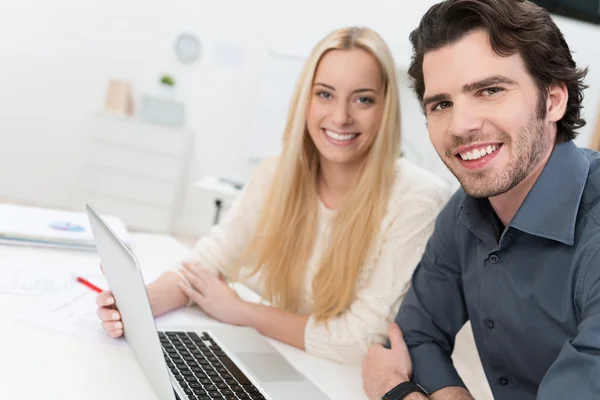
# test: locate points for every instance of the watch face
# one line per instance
(187, 48)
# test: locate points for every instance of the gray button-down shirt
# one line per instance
(531, 291)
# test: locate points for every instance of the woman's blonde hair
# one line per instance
(284, 240)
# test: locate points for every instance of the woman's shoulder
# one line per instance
(264, 172)
(415, 182)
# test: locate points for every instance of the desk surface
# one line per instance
(37, 363)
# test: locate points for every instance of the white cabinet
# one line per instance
(135, 170)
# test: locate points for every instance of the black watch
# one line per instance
(403, 390)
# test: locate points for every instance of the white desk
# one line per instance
(37, 363)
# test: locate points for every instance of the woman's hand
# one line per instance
(213, 295)
(108, 314)
(164, 295)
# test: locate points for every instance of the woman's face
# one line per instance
(346, 105)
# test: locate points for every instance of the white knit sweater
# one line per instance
(416, 199)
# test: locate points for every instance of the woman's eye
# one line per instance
(325, 95)
(366, 100)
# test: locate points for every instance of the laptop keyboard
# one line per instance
(203, 370)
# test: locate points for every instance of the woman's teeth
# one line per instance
(476, 154)
(340, 136)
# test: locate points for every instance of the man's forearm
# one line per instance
(451, 393)
(448, 393)
(415, 396)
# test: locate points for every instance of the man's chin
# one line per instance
(477, 186)
(483, 188)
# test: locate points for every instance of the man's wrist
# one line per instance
(394, 381)
(405, 390)
(416, 396)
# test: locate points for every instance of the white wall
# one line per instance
(58, 55)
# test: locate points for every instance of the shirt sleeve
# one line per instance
(434, 310)
(576, 371)
(347, 338)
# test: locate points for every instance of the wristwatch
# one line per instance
(403, 390)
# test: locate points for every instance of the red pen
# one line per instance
(88, 284)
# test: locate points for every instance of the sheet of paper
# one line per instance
(18, 280)
(43, 279)
(73, 314)
(48, 225)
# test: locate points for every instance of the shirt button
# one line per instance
(494, 259)
(503, 380)
(489, 324)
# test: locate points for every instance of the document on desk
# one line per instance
(73, 314)
(39, 279)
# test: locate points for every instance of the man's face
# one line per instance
(482, 115)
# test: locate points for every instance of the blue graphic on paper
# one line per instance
(67, 227)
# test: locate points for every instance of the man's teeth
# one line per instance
(340, 136)
(475, 154)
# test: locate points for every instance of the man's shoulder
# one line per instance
(591, 194)
(453, 208)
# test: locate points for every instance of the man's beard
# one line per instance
(527, 150)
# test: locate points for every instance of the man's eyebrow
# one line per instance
(487, 82)
(472, 87)
(435, 98)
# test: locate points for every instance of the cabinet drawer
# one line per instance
(136, 216)
(128, 186)
(149, 164)
(132, 132)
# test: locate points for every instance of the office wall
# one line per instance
(57, 56)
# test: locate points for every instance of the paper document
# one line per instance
(46, 226)
(73, 314)
(17, 279)
(42, 279)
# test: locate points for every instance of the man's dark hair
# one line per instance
(513, 26)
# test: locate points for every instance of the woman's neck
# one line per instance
(335, 182)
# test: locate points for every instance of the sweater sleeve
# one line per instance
(220, 250)
(347, 338)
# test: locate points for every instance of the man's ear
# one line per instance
(556, 102)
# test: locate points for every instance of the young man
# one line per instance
(517, 250)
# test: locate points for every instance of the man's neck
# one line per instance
(336, 181)
(507, 204)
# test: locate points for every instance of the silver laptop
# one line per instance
(200, 363)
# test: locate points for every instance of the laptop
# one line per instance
(202, 363)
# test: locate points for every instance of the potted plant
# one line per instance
(167, 86)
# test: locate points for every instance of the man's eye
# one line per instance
(441, 106)
(491, 91)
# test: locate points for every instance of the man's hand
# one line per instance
(383, 368)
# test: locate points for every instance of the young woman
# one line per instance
(330, 231)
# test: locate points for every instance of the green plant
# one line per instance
(167, 80)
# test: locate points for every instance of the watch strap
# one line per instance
(402, 390)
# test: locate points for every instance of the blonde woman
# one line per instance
(330, 231)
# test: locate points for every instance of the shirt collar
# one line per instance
(551, 206)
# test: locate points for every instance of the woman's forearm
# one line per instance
(165, 295)
(285, 326)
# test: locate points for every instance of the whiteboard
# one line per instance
(278, 80)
